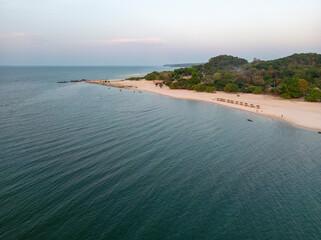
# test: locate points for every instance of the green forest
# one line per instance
(295, 76)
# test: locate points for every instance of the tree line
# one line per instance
(295, 76)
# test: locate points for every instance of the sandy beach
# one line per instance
(297, 112)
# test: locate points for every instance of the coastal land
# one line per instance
(287, 88)
(297, 112)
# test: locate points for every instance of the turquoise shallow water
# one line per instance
(81, 161)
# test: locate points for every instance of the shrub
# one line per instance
(210, 89)
(252, 88)
(303, 85)
(285, 95)
(135, 78)
(231, 87)
(314, 95)
(152, 76)
(199, 88)
(257, 91)
(290, 87)
(167, 75)
(173, 86)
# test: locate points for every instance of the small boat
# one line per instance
(62, 82)
(250, 120)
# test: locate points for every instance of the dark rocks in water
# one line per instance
(250, 120)
(319, 132)
(75, 81)
(83, 80)
(62, 82)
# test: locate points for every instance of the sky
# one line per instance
(150, 32)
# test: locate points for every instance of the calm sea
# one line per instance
(82, 161)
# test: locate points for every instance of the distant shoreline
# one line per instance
(300, 113)
(182, 64)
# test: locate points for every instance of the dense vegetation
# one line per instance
(135, 78)
(298, 75)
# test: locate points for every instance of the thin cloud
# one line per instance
(17, 35)
(127, 40)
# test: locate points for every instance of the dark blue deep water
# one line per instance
(81, 161)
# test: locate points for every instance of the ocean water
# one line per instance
(82, 161)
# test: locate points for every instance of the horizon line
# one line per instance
(18, 65)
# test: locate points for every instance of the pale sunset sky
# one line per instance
(148, 32)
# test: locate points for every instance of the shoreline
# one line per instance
(295, 112)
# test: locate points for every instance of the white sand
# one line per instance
(297, 112)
